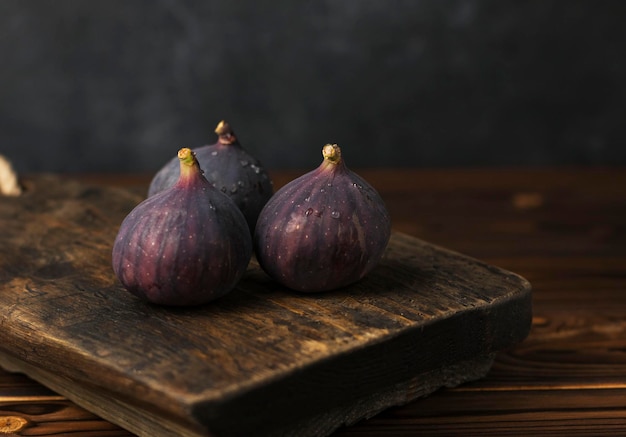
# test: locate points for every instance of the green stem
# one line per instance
(188, 161)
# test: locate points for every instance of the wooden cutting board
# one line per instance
(260, 361)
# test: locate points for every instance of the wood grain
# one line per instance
(564, 230)
(41, 416)
(568, 377)
(426, 317)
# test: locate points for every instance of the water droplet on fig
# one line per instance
(244, 163)
(335, 214)
(241, 183)
(308, 212)
(307, 199)
(233, 189)
(322, 190)
(214, 153)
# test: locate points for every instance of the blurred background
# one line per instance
(119, 86)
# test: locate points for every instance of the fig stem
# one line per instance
(186, 156)
(188, 163)
(225, 134)
(332, 153)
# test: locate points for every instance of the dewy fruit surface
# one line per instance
(229, 168)
(323, 230)
(187, 245)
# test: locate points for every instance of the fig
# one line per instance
(231, 169)
(324, 230)
(187, 245)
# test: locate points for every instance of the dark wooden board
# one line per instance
(260, 361)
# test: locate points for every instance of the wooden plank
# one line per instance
(262, 359)
(587, 412)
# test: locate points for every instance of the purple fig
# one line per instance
(230, 169)
(324, 230)
(186, 245)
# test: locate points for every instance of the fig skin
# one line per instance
(231, 169)
(186, 245)
(324, 230)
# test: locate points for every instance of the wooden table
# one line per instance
(562, 229)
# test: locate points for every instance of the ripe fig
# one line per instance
(324, 230)
(230, 169)
(186, 245)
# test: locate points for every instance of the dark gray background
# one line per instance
(117, 86)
